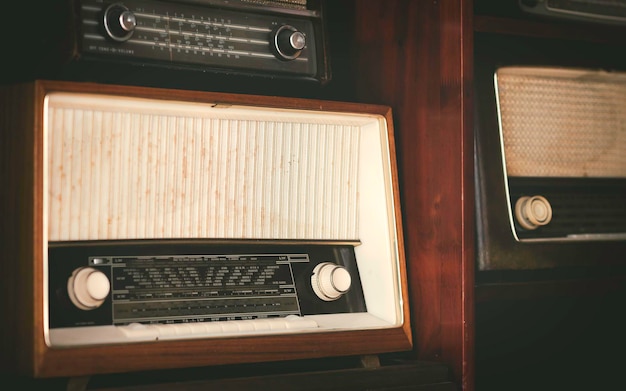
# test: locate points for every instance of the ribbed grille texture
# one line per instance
(126, 174)
(562, 123)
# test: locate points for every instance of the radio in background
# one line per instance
(551, 168)
(589, 11)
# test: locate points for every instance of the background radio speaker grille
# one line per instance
(562, 122)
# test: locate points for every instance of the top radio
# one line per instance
(281, 38)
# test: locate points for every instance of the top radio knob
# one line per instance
(288, 42)
(119, 22)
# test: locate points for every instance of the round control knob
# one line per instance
(288, 42)
(330, 281)
(119, 22)
(88, 288)
(533, 212)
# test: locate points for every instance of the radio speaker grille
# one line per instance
(562, 122)
(126, 169)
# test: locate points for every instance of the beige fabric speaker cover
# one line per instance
(557, 122)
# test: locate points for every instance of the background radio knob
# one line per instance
(119, 22)
(88, 288)
(330, 281)
(288, 42)
(533, 212)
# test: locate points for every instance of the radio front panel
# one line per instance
(122, 168)
(201, 35)
(204, 291)
(208, 45)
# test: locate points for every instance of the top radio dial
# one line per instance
(119, 22)
(288, 42)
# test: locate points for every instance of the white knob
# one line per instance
(330, 281)
(88, 288)
(533, 212)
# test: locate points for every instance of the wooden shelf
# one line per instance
(552, 30)
(526, 290)
(401, 375)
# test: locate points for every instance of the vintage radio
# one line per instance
(135, 41)
(149, 228)
(595, 11)
(551, 169)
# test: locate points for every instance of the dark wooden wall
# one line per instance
(414, 56)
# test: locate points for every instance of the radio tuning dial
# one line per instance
(119, 22)
(88, 288)
(533, 212)
(288, 42)
(330, 281)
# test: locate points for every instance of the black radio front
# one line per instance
(100, 40)
(121, 292)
